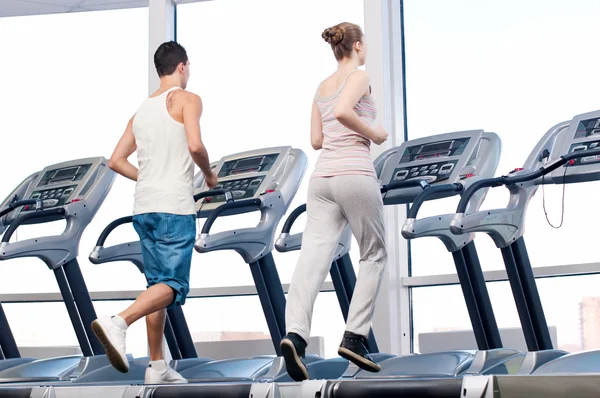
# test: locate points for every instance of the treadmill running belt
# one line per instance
(15, 393)
(203, 390)
(407, 388)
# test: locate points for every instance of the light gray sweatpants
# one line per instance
(333, 203)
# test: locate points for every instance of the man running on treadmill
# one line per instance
(165, 132)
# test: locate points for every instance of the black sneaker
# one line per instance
(353, 349)
(293, 348)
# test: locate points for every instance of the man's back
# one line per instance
(166, 169)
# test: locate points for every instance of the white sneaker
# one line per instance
(166, 375)
(113, 340)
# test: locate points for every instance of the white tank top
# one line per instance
(166, 169)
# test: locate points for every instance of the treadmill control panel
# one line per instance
(60, 185)
(56, 186)
(439, 159)
(582, 134)
(252, 174)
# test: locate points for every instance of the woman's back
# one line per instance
(344, 152)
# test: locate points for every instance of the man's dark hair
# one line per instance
(168, 56)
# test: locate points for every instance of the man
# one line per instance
(165, 132)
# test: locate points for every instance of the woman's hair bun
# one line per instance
(333, 35)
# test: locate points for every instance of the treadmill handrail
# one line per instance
(110, 227)
(427, 193)
(413, 182)
(510, 180)
(214, 192)
(39, 205)
(25, 217)
(287, 227)
(255, 203)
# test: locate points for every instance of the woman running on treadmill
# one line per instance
(343, 190)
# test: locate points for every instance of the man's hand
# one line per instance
(211, 180)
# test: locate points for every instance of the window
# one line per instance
(71, 84)
(571, 306)
(517, 69)
(257, 77)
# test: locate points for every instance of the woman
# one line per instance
(343, 190)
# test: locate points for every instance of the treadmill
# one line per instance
(568, 153)
(413, 173)
(73, 191)
(264, 180)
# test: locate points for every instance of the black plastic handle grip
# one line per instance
(29, 216)
(423, 196)
(287, 227)
(476, 186)
(12, 206)
(110, 227)
(414, 182)
(248, 203)
(214, 192)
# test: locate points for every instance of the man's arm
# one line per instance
(192, 110)
(118, 161)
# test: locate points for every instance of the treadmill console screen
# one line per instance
(252, 164)
(64, 175)
(588, 127)
(434, 150)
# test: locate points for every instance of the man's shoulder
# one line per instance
(187, 97)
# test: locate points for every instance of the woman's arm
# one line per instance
(316, 128)
(357, 84)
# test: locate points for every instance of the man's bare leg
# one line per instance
(155, 325)
(157, 297)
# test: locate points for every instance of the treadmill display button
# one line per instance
(593, 145)
(50, 202)
(424, 173)
(67, 192)
(433, 166)
(580, 148)
(423, 168)
(238, 194)
(414, 169)
(447, 168)
(434, 171)
(589, 159)
(414, 174)
(401, 175)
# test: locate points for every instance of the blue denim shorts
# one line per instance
(167, 242)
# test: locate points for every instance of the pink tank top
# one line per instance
(344, 151)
